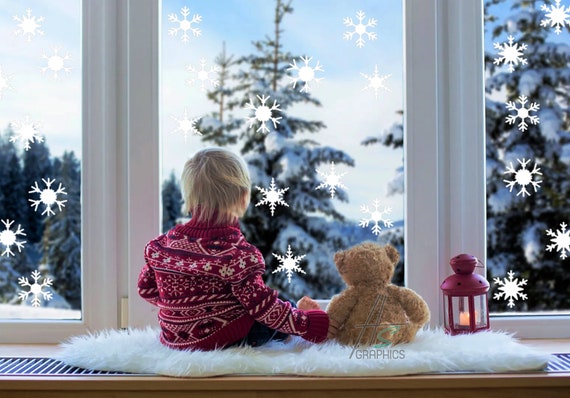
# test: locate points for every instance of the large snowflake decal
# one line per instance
(360, 29)
(27, 132)
(305, 73)
(272, 196)
(289, 264)
(47, 196)
(185, 24)
(523, 177)
(263, 114)
(523, 113)
(56, 63)
(29, 26)
(36, 289)
(510, 289)
(510, 53)
(204, 75)
(555, 16)
(331, 180)
(376, 81)
(9, 238)
(560, 240)
(376, 217)
(186, 125)
(4, 82)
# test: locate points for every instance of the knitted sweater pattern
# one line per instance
(207, 283)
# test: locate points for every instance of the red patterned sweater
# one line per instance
(206, 282)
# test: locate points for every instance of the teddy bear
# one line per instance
(371, 310)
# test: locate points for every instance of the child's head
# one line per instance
(216, 181)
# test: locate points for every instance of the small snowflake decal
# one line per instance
(510, 53)
(36, 289)
(376, 217)
(56, 63)
(376, 82)
(27, 132)
(185, 24)
(9, 238)
(47, 196)
(29, 26)
(523, 113)
(204, 75)
(186, 125)
(4, 82)
(560, 240)
(556, 16)
(263, 114)
(289, 264)
(510, 289)
(523, 177)
(305, 73)
(331, 180)
(360, 29)
(272, 196)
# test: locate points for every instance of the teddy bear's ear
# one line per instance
(392, 253)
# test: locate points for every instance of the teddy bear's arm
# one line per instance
(342, 305)
(415, 307)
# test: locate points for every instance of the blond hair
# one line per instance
(216, 181)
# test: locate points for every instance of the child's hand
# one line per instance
(307, 303)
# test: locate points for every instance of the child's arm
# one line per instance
(147, 285)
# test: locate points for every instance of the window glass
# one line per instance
(310, 94)
(528, 155)
(40, 165)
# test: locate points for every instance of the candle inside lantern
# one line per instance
(463, 319)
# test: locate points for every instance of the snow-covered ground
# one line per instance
(9, 312)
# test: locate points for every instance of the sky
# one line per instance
(315, 29)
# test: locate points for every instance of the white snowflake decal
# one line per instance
(56, 63)
(289, 264)
(376, 217)
(204, 75)
(376, 82)
(523, 113)
(360, 29)
(186, 125)
(560, 240)
(29, 26)
(331, 180)
(556, 16)
(510, 53)
(9, 238)
(272, 196)
(36, 289)
(305, 73)
(185, 24)
(523, 177)
(263, 113)
(47, 196)
(510, 289)
(27, 132)
(4, 82)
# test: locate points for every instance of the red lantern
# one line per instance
(465, 297)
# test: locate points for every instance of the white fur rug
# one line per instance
(140, 351)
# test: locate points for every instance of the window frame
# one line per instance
(444, 147)
(98, 191)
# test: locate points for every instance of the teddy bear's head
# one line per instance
(367, 264)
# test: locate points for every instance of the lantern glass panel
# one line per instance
(480, 310)
(460, 308)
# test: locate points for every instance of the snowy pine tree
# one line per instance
(171, 202)
(516, 224)
(13, 193)
(61, 241)
(310, 225)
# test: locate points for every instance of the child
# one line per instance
(206, 278)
